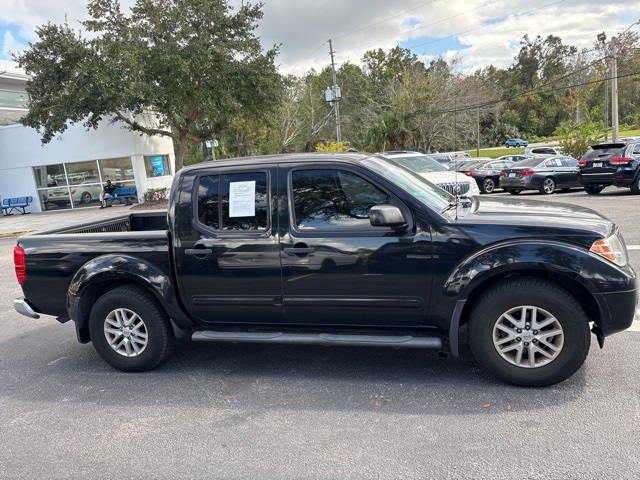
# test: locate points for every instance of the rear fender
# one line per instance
(107, 271)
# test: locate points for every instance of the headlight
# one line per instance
(611, 248)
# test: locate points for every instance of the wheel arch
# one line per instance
(108, 272)
(476, 275)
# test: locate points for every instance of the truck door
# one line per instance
(338, 268)
(226, 248)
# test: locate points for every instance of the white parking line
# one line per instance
(633, 247)
(635, 326)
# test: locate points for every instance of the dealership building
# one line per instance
(68, 172)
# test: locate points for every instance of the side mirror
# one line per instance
(387, 216)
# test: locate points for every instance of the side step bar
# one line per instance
(396, 341)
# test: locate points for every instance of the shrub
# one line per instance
(156, 194)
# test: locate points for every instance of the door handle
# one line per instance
(198, 251)
(295, 250)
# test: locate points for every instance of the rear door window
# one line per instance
(236, 201)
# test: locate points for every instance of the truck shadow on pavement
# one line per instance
(259, 377)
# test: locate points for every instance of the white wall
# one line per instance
(21, 149)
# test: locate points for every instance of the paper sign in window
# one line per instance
(242, 199)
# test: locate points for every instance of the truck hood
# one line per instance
(553, 217)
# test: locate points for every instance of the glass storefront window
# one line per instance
(157, 166)
(76, 185)
(53, 191)
(118, 170)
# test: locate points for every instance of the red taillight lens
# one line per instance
(526, 173)
(469, 174)
(20, 264)
(582, 161)
(502, 174)
(619, 160)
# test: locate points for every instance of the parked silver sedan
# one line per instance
(545, 174)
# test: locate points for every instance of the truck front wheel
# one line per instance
(129, 331)
(529, 332)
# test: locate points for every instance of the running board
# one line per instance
(396, 341)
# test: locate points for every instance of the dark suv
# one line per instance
(607, 164)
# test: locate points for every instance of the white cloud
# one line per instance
(10, 45)
(303, 27)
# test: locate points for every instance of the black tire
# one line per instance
(548, 186)
(488, 185)
(85, 197)
(635, 188)
(490, 329)
(138, 349)
(592, 190)
(514, 191)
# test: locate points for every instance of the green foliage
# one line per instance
(180, 68)
(330, 146)
(155, 194)
(576, 137)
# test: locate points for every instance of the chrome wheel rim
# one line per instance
(549, 185)
(527, 336)
(125, 332)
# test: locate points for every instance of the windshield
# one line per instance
(420, 163)
(410, 182)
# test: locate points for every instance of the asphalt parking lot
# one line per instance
(253, 411)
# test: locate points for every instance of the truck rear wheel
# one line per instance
(529, 332)
(129, 331)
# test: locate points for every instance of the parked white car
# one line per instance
(453, 182)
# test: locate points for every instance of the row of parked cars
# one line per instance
(544, 169)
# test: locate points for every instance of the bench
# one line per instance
(122, 193)
(18, 203)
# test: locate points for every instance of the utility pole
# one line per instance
(333, 94)
(614, 90)
(602, 37)
(478, 138)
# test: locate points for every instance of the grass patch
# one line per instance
(496, 152)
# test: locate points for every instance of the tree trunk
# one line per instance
(179, 149)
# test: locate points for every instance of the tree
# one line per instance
(577, 137)
(191, 67)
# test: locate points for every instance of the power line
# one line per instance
(385, 20)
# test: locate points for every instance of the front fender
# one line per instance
(502, 258)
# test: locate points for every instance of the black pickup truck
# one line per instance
(336, 249)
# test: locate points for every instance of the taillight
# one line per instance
(582, 161)
(20, 264)
(502, 174)
(526, 173)
(619, 160)
(469, 174)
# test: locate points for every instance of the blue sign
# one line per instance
(157, 165)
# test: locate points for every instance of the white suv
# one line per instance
(453, 182)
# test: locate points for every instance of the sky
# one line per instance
(478, 33)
